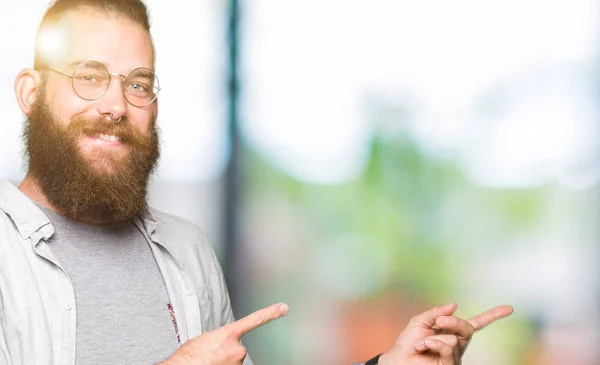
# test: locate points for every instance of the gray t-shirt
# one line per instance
(122, 304)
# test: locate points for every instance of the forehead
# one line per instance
(82, 35)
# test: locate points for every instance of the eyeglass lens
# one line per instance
(91, 80)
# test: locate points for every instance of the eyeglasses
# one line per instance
(90, 81)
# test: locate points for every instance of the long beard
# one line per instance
(108, 185)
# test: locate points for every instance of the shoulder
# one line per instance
(174, 225)
(167, 220)
(181, 235)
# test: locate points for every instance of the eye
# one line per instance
(137, 87)
(89, 79)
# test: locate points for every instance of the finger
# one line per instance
(445, 351)
(485, 318)
(427, 319)
(254, 320)
(234, 351)
(449, 340)
(455, 325)
(230, 352)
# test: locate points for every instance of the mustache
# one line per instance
(94, 126)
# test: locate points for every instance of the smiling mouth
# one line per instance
(103, 140)
(109, 138)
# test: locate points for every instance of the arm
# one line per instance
(222, 346)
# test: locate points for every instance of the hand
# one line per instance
(436, 337)
(222, 346)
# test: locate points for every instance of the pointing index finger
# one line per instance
(254, 320)
(494, 314)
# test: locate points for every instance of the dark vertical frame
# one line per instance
(232, 184)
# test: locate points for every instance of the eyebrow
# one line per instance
(145, 72)
(74, 64)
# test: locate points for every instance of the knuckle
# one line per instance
(259, 320)
(415, 320)
(470, 329)
(231, 336)
(480, 321)
(446, 350)
(241, 352)
(453, 341)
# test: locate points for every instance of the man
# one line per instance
(89, 274)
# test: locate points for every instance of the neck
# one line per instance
(30, 187)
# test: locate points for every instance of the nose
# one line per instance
(113, 104)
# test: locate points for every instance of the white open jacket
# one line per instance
(37, 303)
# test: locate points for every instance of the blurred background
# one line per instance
(364, 161)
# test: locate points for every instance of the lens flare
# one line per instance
(52, 43)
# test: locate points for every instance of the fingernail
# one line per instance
(429, 342)
(284, 308)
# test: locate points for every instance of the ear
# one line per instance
(27, 84)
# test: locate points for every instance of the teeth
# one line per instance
(110, 138)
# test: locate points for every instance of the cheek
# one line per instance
(64, 103)
(141, 119)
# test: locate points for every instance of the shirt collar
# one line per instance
(27, 217)
(151, 223)
(148, 222)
